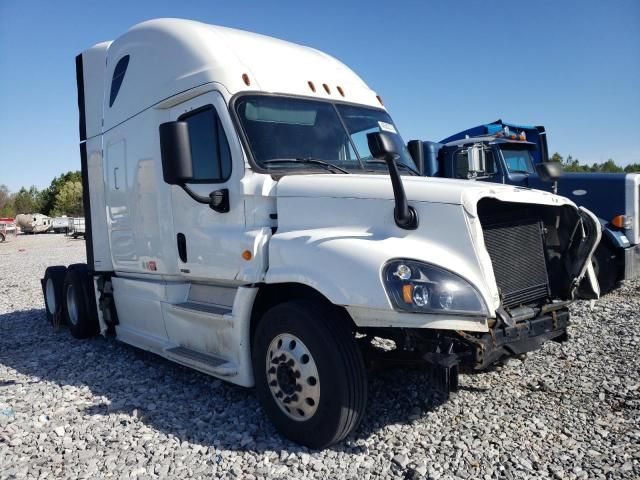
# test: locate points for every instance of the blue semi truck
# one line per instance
(506, 153)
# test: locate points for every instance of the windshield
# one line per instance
(518, 161)
(301, 131)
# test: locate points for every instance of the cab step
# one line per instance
(204, 307)
(202, 361)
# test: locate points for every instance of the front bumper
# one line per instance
(524, 336)
(631, 262)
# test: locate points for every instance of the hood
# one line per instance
(418, 189)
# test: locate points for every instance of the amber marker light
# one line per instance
(246, 80)
(407, 294)
(311, 86)
(247, 255)
(340, 91)
(621, 221)
(380, 100)
(326, 88)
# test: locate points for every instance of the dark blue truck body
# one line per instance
(607, 195)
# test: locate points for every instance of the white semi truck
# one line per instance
(252, 213)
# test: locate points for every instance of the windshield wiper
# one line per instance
(400, 164)
(313, 161)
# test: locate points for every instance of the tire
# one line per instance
(606, 268)
(79, 301)
(2, 237)
(326, 407)
(52, 285)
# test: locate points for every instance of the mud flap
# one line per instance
(443, 372)
(586, 284)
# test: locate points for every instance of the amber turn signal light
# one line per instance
(407, 293)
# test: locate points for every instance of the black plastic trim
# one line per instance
(82, 125)
(86, 203)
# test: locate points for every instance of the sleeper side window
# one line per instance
(210, 153)
(118, 76)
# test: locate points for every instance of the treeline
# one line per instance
(62, 197)
(571, 164)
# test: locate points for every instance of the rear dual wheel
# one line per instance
(69, 298)
(309, 372)
(80, 310)
(52, 289)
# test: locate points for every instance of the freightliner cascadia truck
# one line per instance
(511, 154)
(253, 213)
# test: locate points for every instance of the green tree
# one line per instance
(49, 194)
(632, 168)
(27, 201)
(556, 157)
(69, 199)
(6, 202)
(610, 167)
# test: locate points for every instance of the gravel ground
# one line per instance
(98, 408)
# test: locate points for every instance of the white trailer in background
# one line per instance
(61, 224)
(77, 227)
(34, 223)
(250, 209)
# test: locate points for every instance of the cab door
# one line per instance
(208, 242)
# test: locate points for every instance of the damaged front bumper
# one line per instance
(522, 337)
(445, 352)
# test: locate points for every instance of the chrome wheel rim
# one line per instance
(50, 293)
(72, 305)
(292, 376)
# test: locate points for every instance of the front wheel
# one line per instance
(309, 372)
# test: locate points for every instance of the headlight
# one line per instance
(423, 288)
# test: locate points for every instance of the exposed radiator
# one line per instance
(517, 255)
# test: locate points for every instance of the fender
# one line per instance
(616, 238)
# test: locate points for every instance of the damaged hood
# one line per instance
(418, 189)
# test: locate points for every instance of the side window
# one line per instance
(209, 146)
(461, 164)
(489, 162)
(118, 76)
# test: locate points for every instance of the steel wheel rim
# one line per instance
(292, 377)
(50, 293)
(72, 305)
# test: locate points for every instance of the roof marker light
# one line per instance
(326, 88)
(340, 91)
(246, 80)
(523, 136)
(380, 100)
(311, 86)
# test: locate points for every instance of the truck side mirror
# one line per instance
(175, 148)
(475, 155)
(384, 145)
(387, 146)
(550, 172)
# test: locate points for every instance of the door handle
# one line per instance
(115, 178)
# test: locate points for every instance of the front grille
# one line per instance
(517, 255)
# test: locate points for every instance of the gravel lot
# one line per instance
(98, 408)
